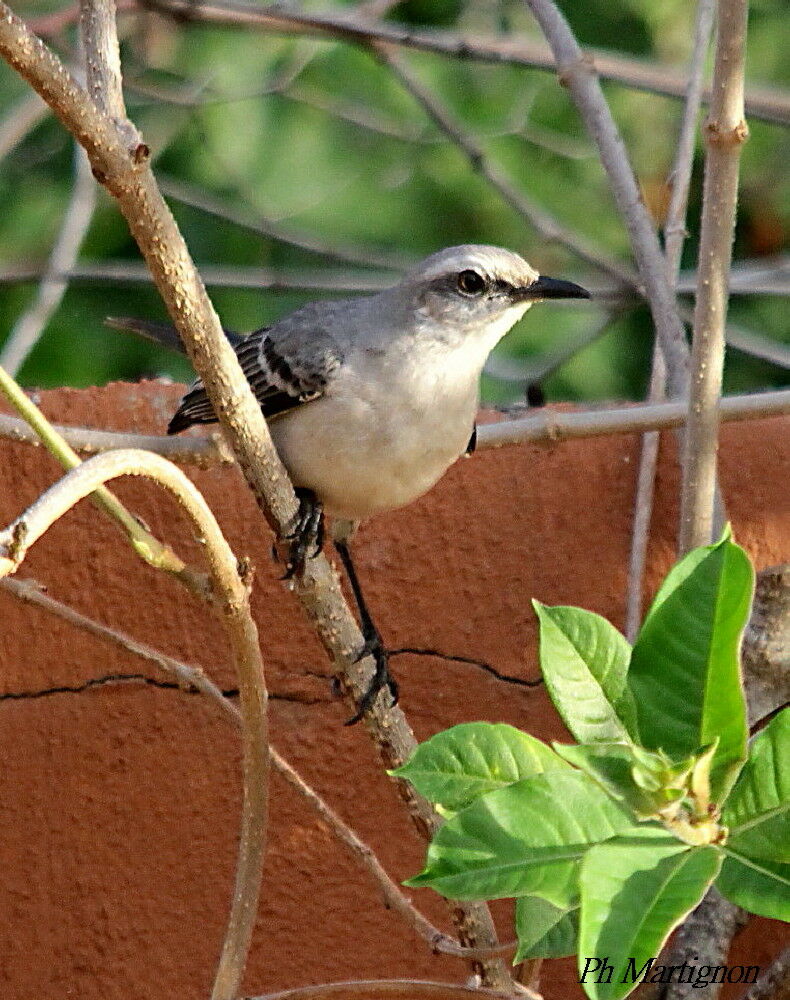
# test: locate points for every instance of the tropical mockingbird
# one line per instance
(371, 399)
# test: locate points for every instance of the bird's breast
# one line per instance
(376, 443)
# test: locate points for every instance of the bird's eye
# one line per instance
(471, 283)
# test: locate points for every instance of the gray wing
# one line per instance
(285, 366)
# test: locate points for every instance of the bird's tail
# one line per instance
(163, 334)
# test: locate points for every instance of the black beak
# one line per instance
(550, 288)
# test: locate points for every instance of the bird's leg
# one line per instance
(307, 536)
(373, 645)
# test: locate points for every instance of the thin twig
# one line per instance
(21, 120)
(529, 370)
(725, 133)
(234, 611)
(253, 221)
(205, 450)
(393, 895)
(126, 173)
(147, 546)
(674, 238)
(216, 275)
(769, 104)
(76, 220)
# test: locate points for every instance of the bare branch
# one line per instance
(766, 644)
(252, 220)
(31, 592)
(204, 451)
(546, 425)
(126, 174)
(556, 425)
(234, 611)
(76, 221)
(102, 56)
(577, 72)
(674, 238)
(725, 133)
(643, 501)
(216, 275)
(767, 103)
(385, 987)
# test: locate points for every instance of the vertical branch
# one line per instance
(725, 133)
(674, 238)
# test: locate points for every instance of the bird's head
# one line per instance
(481, 289)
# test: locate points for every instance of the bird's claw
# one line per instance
(307, 537)
(381, 678)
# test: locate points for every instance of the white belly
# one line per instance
(362, 456)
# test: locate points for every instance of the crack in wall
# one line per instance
(470, 661)
(186, 688)
(108, 679)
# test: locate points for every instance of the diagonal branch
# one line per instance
(31, 592)
(578, 73)
(541, 220)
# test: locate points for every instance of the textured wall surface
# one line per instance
(120, 800)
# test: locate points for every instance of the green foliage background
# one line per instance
(393, 184)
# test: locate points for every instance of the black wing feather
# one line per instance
(274, 386)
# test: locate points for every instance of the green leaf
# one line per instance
(545, 930)
(612, 766)
(684, 673)
(761, 887)
(584, 660)
(634, 892)
(459, 765)
(758, 809)
(524, 839)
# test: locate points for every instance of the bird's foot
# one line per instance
(307, 537)
(373, 646)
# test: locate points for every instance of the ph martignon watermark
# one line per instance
(599, 970)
